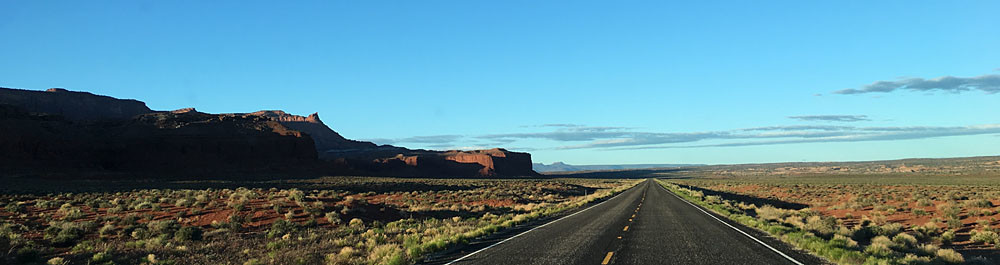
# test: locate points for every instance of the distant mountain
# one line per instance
(560, 166)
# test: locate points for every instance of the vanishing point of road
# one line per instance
(644, 225)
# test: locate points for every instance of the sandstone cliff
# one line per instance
(160, 143)
(74, 106)
(406, 162)
(77, 132)
(325, 138)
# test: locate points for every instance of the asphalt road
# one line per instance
(644, 225)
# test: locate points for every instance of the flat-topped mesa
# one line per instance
(78, 133)
(495, 162)
(65, 131)
(74, 106)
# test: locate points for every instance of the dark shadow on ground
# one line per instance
(749, 199)
(45, 186)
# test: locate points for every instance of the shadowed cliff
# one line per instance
(77, 134)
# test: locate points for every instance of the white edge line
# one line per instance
(733, 227)
(533, 229)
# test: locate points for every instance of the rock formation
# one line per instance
(45, 133)
(72, 132)
(74, 106)
(324, 137)
(397, 161)
(405, 162)
(495, 162)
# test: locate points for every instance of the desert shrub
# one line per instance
(185, 202)
(15, 207)
(821, 225)
(142, 205)
(84, 246)
(356, 223)
(927, 230)
(883, 240)
(188, 233)
(985, 236)
(45, 204)
(342, 257)
(877, 218)
(955, 223)
(71, 213)
(56, 261)
(770, 213)
(713, 199)
(100, 257)
(905, 241)
(948, 236)
(236, 221)
(333, 217)
(163, 227)
(116, 209)
(296, 195)
(842, 241)
(281, 227)
(879, 250)
(66, 234)
(141, 233)
(928, 249)
(238, 206)
(910, 258)
(950, 256)
(389, 254)
(314, 211)
(106, 230)
(980, 203)
(949, 210)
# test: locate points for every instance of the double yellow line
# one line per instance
(607, 258)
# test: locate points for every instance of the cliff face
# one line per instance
(91, 134)
(480, 163)
(495, 162)
(160, 142)
(74, 132)
(74, 106)
(325, 138)
(398, 161)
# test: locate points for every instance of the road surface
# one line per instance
(643, 225)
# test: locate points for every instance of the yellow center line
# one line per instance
(630, 219)
(607, 258)
(626, 228)
(633, 215)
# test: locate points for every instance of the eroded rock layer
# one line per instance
(77, 132)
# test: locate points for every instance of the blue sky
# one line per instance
(585, 82)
